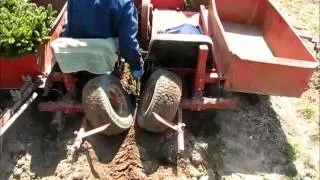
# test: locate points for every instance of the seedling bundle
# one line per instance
(23, 27)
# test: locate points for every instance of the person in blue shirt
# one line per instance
(105, 19)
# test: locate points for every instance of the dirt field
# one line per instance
(265, 137)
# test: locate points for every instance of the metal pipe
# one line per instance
(164, 122)
(95, 131)
(180, 128)
(78, 141)
(81, 134)
(207, 103)
(12, 119)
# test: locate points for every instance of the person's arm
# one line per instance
(128, 43)
(69, 17)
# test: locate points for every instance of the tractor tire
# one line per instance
(162, 94)
(105, 101)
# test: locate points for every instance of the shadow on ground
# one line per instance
(246, 140)
(28, 146)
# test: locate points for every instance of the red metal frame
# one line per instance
(40, 63)
(65, 107)
(67, 78)
(287, 73)
(146, 10)
(168, 4)
(200, 75)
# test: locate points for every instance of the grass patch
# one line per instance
(295, 151)
(297, 177)
(308, 109)
(291, 151)
(306, 11)
(315, 134)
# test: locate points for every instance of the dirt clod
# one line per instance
(196, 158)
(77, 176)
(17, 172)
(21, 162)
(206, 177)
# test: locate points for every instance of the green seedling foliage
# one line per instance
(23, 27)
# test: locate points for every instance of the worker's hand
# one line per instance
(137, 71)
(137, 74)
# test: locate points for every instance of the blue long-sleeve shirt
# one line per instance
(104, 19)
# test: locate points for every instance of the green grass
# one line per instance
(308, 109)
(295, 151)
(307, 11)
(315, 134)
(290, 151)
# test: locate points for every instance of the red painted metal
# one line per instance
(213, 78)
(67, 78)
(200, 75)
(65, 107)
(286, 73)
(146, 10)
(69, 81)
(163, 4)
(168, 4)
(137, 3)
(39, 63)
(203, 103)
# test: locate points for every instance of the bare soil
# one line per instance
(247, 141)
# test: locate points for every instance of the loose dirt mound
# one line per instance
(127, 163)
